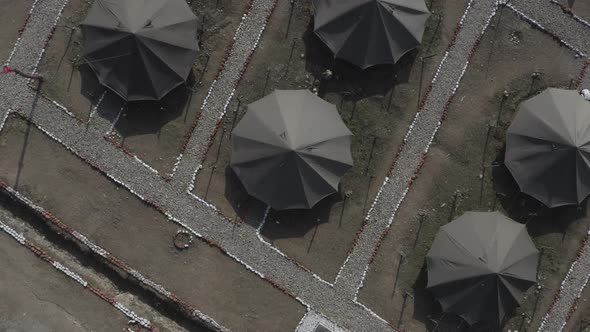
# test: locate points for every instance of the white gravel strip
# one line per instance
(74, 276)
(242, 242)
(44, 16)
(570, 291)
(416, 145)
(222, 90)
(239, 242)
(311, 320)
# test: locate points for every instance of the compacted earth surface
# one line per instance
(464, 171)
(377, 105)
(142, 237)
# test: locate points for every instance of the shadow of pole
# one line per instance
(395, 281)
(27, 135)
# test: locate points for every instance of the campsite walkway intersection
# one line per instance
(336, 301)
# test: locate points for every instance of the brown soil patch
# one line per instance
(455, 163)
(321, 237)
(113, 218)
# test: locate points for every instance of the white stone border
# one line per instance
(96, 249)
(571, 12)
(311, 320)
(20, 238)
(583, 252)
(540, 26)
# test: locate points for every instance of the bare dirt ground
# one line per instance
(154, 131)
(41, 298)
(11, 20)
(510, 51)
(118, 221)
(377, 105)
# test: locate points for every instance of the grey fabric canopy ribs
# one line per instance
(548, 147)
(140, 49)
(480, 265)
(370, 32)
(291, 149)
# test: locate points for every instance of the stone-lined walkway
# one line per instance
(222, 90)
(417, 143)
(570, 291)
(241, 242)
(552, 18)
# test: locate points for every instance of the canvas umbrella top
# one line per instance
(480, 265)
(370, 32)
(548, 147)
(140, 49)
(290, 149)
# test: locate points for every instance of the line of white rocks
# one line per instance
(551, 18)
(129, 174)
(573, 32)
(570, 290)
(222, 90)
(111, 259)
(416, 144)
(20, 238)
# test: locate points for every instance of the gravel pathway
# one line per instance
(105, 113)
(570, 291)
(222, 90)
(552, 19)
(67, 270)
(417, 143)
(241, 242)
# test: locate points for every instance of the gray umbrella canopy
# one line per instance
(370, 32)
(480, 265)
(291, 149)
(548, 147)
(140, 49)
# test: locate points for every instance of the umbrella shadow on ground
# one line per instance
(428, 311)
(297, 223)
(242, 203)
(291, 223)
(148, 117)
(89, 85)
(525, 209)
(349, 80)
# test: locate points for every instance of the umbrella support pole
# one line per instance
(315, 231)
(401, 314)
(483, 168)
(454, 206)
(204, 68)
(420, 224)
(290, 16)
(399, 267)
(391, 99)
(67, 48)
(371, 155)
(342, 212)
(265, 83)
(233, 124)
